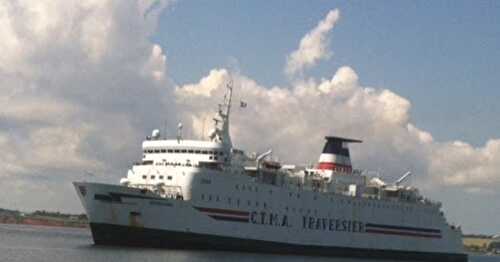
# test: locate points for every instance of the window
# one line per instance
(152, 177)
(249, 203)
(144, 177)
(183, 151)
(197, 151)
(157, 150)
(202, 196)
(209, 197)
(150, 151)
(163, 150)
(169, 177)
(204, 152)
(176, 151)
(190, 151)
(170, 151)
(161, 177)
(221, 153)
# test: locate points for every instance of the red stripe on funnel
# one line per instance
(333, 166)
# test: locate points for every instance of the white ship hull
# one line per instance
(265, 218)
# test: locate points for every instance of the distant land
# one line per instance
(43, 218)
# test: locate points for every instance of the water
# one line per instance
(33, 243)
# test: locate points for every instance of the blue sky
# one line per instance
(443, 55)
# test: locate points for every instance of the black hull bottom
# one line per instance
(108, 234)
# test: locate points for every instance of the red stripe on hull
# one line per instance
(386, 232)
(222, 211)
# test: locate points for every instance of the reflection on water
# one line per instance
(32, 243)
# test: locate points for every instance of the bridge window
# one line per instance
(197, 151)
(157, 150)
(190, 151)
(183, 151)
(163, 150)
(176, 151)
(170, 151)
(204, 152)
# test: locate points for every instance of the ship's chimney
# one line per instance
(335, 155)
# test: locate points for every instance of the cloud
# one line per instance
(313, 46)
(294, 119)
(79, 81)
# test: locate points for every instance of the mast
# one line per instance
(221, 120)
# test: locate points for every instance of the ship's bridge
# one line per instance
(183, 152)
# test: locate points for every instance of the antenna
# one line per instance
(179, 132)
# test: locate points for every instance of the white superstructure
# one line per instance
(210, 195)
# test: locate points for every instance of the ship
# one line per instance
(207, 194)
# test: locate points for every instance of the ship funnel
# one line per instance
(335, 155)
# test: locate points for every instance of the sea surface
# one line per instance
(37, 243)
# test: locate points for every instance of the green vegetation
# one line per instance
(42, 217)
